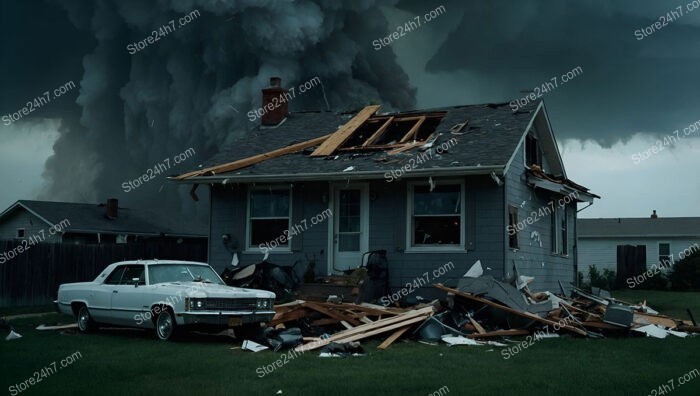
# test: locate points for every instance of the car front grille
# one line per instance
(230, 304)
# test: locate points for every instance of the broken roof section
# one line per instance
(474, 139)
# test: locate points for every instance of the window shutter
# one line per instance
(400, 214)
(297, 194)
(470, 220)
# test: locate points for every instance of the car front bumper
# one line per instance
(224, 318)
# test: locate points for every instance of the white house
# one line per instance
(630, 246)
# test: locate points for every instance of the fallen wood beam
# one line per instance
(383, 329)
(642, 318)
(344, 132)
(390, 340)
(333, 314)
(510, 310)
(379, 324)
(242, 163)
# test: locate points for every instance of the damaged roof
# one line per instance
(484, 144)
(91, 218)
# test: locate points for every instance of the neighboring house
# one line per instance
(430, 187)
(77, 223)
(630, 246)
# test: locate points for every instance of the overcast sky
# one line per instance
(193, 87)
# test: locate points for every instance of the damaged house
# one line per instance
(430, 187)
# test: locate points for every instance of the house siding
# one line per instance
(387, 231)
(32, 225)
(534, 256)
(602, 252)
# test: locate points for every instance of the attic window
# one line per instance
(532, 151)
(20, 233)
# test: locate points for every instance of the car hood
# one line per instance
(211, 290)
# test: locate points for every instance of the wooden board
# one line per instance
(403, 319)
(477, 326)
(344, 132)
(642, 318)
(510, 310)
(500, 333)
(398, 333)
(333, 314)
(412, 132)
(376, 135)
(242, 163)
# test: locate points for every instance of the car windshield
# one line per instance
(161, 273)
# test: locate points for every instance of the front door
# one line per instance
(350, 234)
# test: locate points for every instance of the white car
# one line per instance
(165, 295)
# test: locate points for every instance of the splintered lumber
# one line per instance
(477, 326)
(333, 314)
(340, 136)
(242, 163)
(407, 147)
(368, 330)
(510, 310)
(500, 333)
(390, 340)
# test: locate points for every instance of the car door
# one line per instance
(100, 300)
(128, 297)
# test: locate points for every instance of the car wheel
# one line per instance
(166, 325)
(85, 322)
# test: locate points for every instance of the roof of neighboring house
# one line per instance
(92, 218)
(488, 142)
(639, 227)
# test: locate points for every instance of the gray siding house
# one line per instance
(78, 223)
(635, 244)
(448, 185)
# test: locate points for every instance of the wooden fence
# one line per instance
(32, 277)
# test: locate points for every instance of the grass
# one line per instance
(116, 362)
(8, 311)
(670, 303)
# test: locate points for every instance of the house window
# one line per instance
(20, 233)
(664, 254)
(436, 216)
(269, 214)
(532, 151)
(559, 231)
(513, 233)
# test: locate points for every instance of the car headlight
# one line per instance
(195, 303)
(263, 303)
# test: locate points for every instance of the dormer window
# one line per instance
(533, 156)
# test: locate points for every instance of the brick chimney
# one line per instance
(112, 208)
(654, 215)
(274, 111)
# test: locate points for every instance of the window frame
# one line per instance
(249, 229)
(532, 135)
(513, 210)
(410, 247)
(559, 244)
(17, 233)
(669, 255)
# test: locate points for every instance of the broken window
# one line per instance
(513, 233)
(269, 216)
(664, 254)
(532, 151)
(437, 215)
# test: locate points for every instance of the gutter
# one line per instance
(359, 175)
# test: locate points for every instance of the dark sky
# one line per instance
(193, 87)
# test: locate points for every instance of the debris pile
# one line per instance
(477, 311)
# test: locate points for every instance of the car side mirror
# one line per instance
(135, 281)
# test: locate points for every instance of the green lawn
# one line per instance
(667, 303)
(117, 362)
